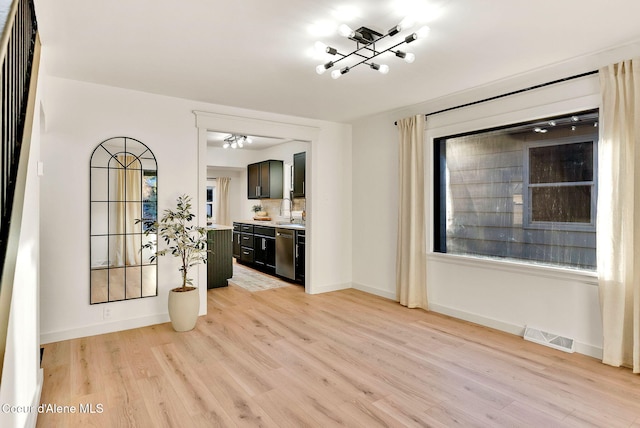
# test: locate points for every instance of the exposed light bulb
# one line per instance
(240, 143)
(409, 57)
(423, 32)
(382, 68)
(324, 67)
(575, 118)
(248, 140)
(345, 31)
(320, 47)
(226, 145)
(336, 74)
(234, 145)
(552, 123)
(406, 23)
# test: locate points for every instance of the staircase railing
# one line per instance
(16, 53)
(19, 59)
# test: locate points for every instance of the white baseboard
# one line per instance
(377, 292)
(581, 348)
(329, 288)
(102, 328)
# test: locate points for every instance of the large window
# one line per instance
(525, 192)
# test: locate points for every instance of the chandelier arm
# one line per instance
(365, 47)
(376, 53)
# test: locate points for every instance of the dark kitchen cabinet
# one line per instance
(265, 180)
(243, 242)
(236, 240)
(299, 174)
(264, 248)
(300, 256)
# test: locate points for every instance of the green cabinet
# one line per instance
(219, 257)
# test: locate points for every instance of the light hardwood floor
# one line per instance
(281, 358)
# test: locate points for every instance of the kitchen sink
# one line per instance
(290, 225)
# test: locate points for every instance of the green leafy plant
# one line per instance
(256, 208)
(185, 241)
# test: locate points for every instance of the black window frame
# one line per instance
(439, 212)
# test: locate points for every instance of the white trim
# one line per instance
(329, 288)
(35, 402)
(581, 348)
(246, 125)
(375, 291)
(103, 328)
(538, 271)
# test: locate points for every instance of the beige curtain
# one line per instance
(128, 188)
(222, 200)
(618, 224)
(411, 287)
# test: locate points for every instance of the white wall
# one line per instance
(507, 296)
(79, 116)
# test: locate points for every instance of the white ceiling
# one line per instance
(253, 53)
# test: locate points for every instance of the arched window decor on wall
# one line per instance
(124, 177)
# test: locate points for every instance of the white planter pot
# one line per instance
(183, 309)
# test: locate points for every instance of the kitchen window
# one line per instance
(523, 192)
(211, 197)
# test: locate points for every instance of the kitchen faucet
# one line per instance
(290, 208)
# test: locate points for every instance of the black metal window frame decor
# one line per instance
(113, 277)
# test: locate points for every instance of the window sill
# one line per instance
(566, 274)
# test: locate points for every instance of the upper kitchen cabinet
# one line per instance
(265, 180)
(299, 174)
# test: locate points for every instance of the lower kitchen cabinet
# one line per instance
(264, 247)
(300, 256)
(219, 257)
(255, 246)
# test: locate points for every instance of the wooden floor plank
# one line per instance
(283, 358)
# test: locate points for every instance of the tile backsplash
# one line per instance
(272, 206)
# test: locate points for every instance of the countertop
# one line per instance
(272, 223)
(219, 227)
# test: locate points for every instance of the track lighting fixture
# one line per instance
(366, 49)
(236, 141)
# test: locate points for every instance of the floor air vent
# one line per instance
(551, 340)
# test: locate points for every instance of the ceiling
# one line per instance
(254, 53)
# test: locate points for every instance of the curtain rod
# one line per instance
(530, 88)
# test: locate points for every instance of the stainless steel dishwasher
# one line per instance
(285, 253)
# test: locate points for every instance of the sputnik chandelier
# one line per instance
(235, 141)
(366, 49)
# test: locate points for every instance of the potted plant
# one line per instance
(188, 243)
(257, 209)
